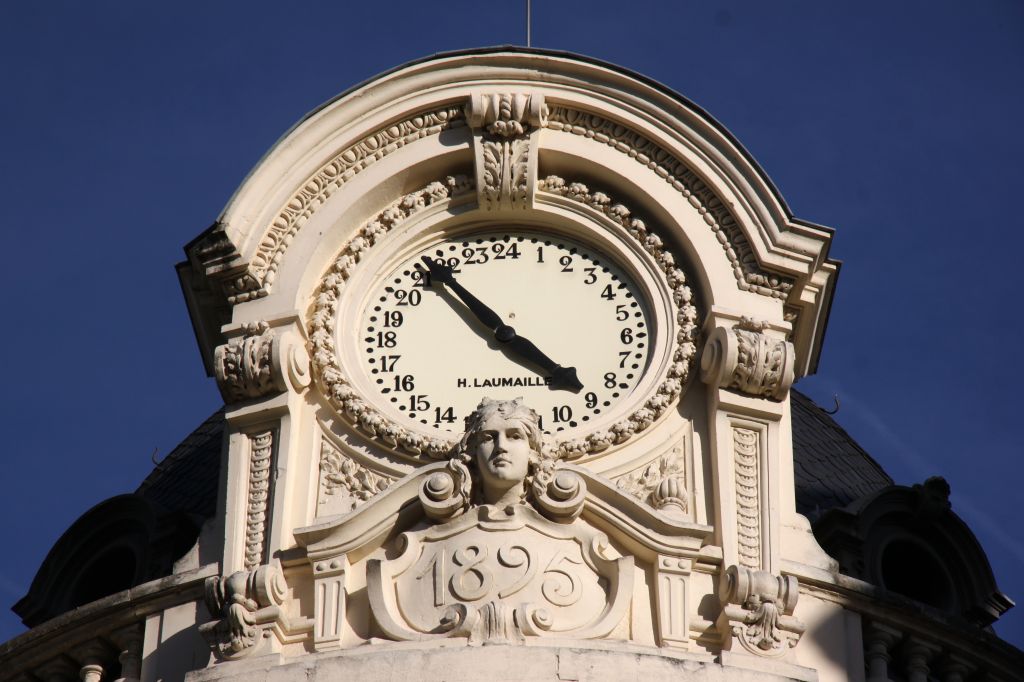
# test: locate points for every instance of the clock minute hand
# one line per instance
(561, 377)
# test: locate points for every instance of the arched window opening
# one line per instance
(914, 571)
(111, 572)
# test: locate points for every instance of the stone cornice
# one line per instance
(123, 608)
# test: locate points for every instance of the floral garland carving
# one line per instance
(331, 378)
(297, 210)
(338, 472)
(343, 397)
(749, 276)
(686, 316)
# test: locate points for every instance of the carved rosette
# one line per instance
(246, 606)
(505, 159)
(747, 360)
(758, 610)
(345, 483)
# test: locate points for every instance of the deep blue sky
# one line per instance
(127, 126)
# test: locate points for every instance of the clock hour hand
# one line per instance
(440, 272)
(561, 377)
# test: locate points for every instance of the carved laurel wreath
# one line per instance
(343, 397)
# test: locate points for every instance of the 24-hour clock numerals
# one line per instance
(515, 313)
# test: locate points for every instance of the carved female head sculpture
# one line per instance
(502, 443)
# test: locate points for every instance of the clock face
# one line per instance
(428, 357)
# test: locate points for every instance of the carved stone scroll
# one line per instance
(261, 452)
(758, 611)
(500, 575)
(245, 605)
(745, 359)
(505, 133)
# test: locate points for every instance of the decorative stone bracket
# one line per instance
(758, 611)
(505, 128)
(249, 608)
(260, 363)
(746, 359)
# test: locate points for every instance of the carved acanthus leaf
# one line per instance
(341, 474)
(504, 160)
(758, 610)
(748, 360)
(245, 367)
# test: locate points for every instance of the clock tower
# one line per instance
(528, 229)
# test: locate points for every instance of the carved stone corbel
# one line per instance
(505, 130)
(746, 359)
(260, 363)
(758, 611)
(247, 606)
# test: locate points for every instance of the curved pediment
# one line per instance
(592, 123)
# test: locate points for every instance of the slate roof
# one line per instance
(186, 479)
(830, 468)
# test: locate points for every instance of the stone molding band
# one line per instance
(507, 120)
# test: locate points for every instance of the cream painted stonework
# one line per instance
(552, 247)
(509, 346)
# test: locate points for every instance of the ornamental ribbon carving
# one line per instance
(506, 166)
(758, 610)
(496, 575)
(746, 359)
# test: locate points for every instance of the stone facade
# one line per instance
(409, 473)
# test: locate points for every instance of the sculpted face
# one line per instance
(502, 451)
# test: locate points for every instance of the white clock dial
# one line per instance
(430, 359)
